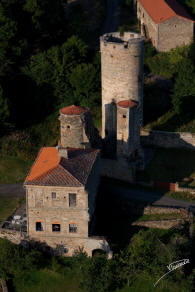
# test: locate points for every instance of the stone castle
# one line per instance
(62, 185)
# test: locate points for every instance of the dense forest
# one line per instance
(48, 59)
(135, 269)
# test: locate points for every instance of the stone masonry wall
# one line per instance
(71, 130)
(92, 189)
(168, 139)
(175, 32)
(148, 26)
(142, 209)
(12, 235)
(42, 208)
(118, 169)
(78, 131)
(163, 224)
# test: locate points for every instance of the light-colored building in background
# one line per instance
(165, 22)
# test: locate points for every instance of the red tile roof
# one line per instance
(161, 10)
(127, 103)
(73, 110)
(51, 170)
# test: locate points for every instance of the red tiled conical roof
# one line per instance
(127, 103)
(73, 110)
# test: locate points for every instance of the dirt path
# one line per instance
(111, 22)
(16, 190)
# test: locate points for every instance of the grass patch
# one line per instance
(145, 283)
(45, 280)
(13, 169)
(8, 205)
(170, 165)
(185, 196)
(172, 122)
(156, 217)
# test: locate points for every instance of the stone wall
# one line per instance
(41, 207)
(118, 169)
(92, 189)
(168, 139)
(70, 245)
(148, 27)
(143, 209)
(12, 235)
(175, 32)
(163, 224)
(78, 131)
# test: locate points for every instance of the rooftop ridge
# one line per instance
(162, 10)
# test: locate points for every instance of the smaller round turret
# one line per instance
(128, 128)
(76, 128)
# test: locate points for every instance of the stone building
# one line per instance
(165, 22)
(62, 185)
(122, 103)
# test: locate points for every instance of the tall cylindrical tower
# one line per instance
(122, 75)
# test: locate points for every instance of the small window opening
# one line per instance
(39, 226)
(72, 228)
(68, 127)
(72, 200)
(124, 116)
(56, 227)
(53, 195)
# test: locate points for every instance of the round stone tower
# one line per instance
(122, 75)
(76, 128)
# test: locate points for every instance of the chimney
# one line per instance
(63, 152)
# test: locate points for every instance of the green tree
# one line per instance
(99, 274)
(84, 81)
(4, 111)
(184, 87)
(8, 29)
(53, 67)
(47, 15)
(15, 259)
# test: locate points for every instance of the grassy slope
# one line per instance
(145, 283)
(170, 165)
(13, 170)
(8, 205)
(47, 281)
(173, 123)
(156, 217)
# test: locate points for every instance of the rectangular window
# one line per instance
(72, 228)
(39, 226)
(72, 200)
(53, 195)
(56, 227)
